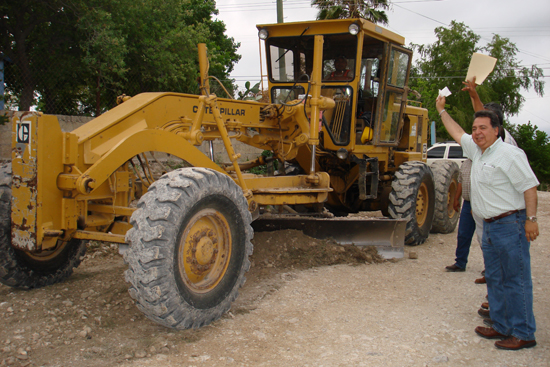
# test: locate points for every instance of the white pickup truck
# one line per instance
(448, 150)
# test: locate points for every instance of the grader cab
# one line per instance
(345, 140)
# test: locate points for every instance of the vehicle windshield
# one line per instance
(291, 58)
(368, 96)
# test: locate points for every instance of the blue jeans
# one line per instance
(508, 274)
(466, 230)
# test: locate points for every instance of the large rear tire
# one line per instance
(21, 269)
(189, 248)
(446, 184)
(412, 197)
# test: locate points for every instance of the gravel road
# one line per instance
(408, 312)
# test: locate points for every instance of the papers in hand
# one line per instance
(445, 92)
(480, 67)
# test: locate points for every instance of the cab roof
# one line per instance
(331, 26)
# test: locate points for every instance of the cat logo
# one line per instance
(23, 132)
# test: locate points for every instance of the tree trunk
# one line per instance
(22, 61)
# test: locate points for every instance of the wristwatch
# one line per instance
(532, 219)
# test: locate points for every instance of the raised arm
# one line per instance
(455, 130)
(470, 87)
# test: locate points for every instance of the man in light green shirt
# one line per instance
(504, 194)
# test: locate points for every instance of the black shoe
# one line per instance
(454, 268)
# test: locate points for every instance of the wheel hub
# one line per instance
(421, 204)
(203, 247)
(204, 250)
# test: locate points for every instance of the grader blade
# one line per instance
(387, 235)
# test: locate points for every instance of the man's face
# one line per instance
(483, 133)
(340, 64)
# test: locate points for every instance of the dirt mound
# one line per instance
(291, 249)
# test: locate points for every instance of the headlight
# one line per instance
(353, 29)
(342, 153)
(263, 34)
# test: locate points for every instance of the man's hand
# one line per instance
(531, 230)
(458, 196)
(456, 205)
(470, 86)
(440, 104)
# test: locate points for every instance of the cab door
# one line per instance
(395, 76)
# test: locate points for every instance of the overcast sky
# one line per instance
(526, 23)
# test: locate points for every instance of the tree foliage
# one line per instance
(446, 62)
(536, 145)
(31, 32)
(372, 10)
(86, 52)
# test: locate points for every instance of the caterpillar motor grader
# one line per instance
(354, 144)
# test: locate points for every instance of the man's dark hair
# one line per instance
(497, 109)
(491, 115)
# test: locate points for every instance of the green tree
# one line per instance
(86, 52)
(536, 145)
(445, 63)
(372, 10)
(27, 29)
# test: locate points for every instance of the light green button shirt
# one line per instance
(499, 177)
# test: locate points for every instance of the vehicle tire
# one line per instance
(21, 269)
(412, 197)
(446, 184)
(189, 248)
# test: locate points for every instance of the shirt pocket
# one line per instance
(487, 174)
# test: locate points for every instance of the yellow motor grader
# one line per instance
(345, 141)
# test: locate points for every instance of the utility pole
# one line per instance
(282, 63)
(280, 18)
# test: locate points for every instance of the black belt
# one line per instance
(490, 220)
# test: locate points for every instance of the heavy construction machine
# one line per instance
(345, 141)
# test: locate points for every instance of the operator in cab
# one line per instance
(341, 71)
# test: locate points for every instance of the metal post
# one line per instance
(316, 76)
(203, 66)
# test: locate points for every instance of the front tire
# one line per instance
(446, 184)
(22, 269)
(189, 248)
(412, 197)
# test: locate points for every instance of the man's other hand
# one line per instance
(531, 230)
